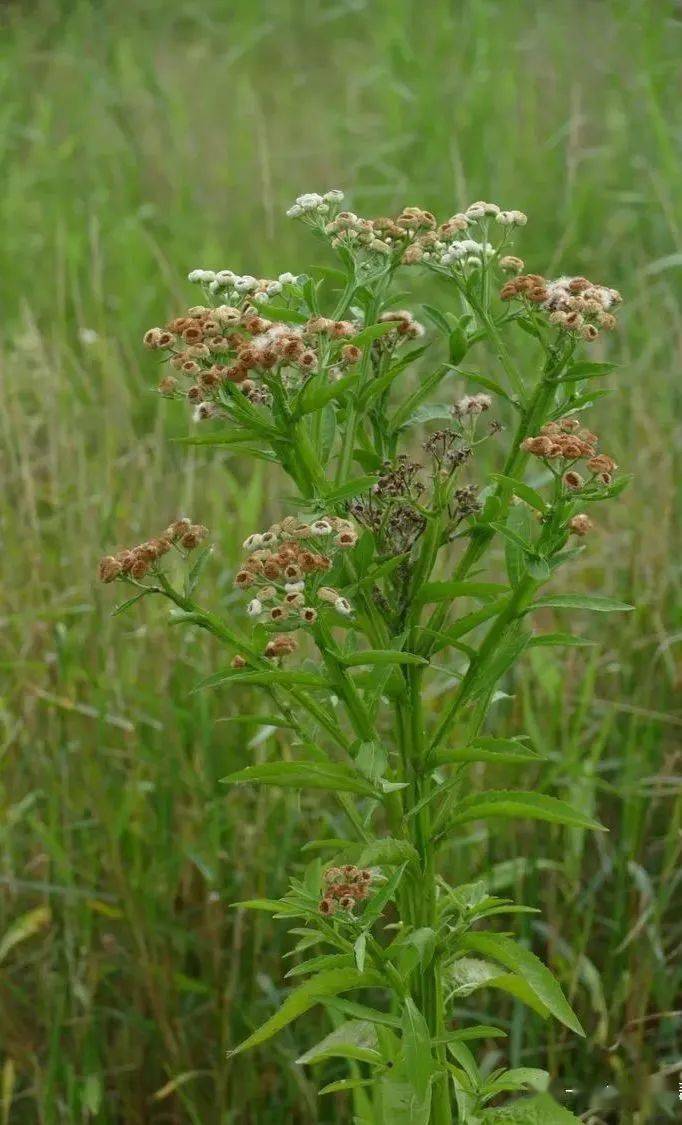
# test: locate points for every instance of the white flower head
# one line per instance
(333, 196)
(253, 541)
(320, 528)
(245, 284)
(343, 606)
(254, 608)
(287, 279)
(201, 276)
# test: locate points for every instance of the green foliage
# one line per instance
(114, 815)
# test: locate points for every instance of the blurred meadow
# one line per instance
(140, 141)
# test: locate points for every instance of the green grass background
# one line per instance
(139, 141)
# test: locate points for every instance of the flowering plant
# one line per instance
(378, 571)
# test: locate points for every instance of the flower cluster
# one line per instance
(215, 347)
(389, 509)
(135, 562)
(574, 304)
(414, 235)
(344, 887)
(237, 288)
(284, 570)
(568, 441)
(313, 205)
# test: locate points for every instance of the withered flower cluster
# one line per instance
(574, 304)
(284, 571)
(135, 562)
(344, 888)
(566, 440)
(389, 509)
(214, 347)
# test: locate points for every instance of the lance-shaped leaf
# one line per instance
(354, 1039)
(233, 435)
(264, 678)
(388, 853)
(487, 750)
(306, 996)
(536, 975)
(371, 656)
(522, 490)
(351, 488)
(319, 391)
(557, 640)
(446, 591)
(373, 332)
(517, 803)
(541, 1110)
(595, 602)
(468, 974)
(304, 775)
(587, 371)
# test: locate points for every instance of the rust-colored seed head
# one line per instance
(309, 615)
(109, 568)
(139, 568)
(168, 385)
(347, 902)
(243, 579)
(152, 337)
(351, 353)
(580, 524)
(573, 480)
(327, 906)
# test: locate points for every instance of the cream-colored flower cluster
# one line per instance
(285, 567)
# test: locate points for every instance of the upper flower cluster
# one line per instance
(413, 236)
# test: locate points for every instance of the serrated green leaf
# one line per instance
(303, 775)
(536, 975)
(306, 996)
(516, 803)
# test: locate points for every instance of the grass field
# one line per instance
(139, 141)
